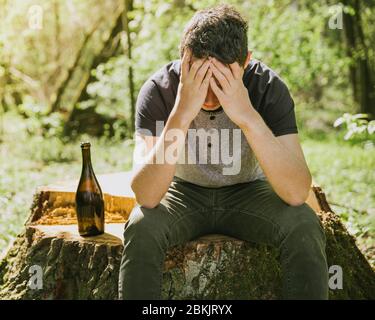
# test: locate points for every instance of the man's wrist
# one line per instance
(253, 122)
(178, 120)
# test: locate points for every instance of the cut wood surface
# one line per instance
(210, 267)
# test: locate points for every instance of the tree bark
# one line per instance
(360, 73)
(126, 27)
(64, 86)
(70, 92)
(210, 267)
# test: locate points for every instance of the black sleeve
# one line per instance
(279, 109)
(150, 108)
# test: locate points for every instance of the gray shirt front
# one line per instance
(216, 151)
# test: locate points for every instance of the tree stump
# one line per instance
(210, 267)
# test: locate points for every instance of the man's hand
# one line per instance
(279, 157)
(231, 92)
(193, 87)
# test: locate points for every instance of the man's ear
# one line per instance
(248, 58)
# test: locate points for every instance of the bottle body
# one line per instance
(89, 199)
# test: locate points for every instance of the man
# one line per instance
(258, 194)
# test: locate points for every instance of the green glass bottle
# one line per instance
(89, 198)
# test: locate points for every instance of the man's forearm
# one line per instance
(288, 175)
(152, 179)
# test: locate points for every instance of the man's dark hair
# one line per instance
(218, 32)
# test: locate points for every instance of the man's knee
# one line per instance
(146, 226)
(303, 226)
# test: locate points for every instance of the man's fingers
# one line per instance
(206, 80)
(237, 71)
(194, 68)
(185, 63)
(202, 71)
(220, 77)
(215, 88)
(227, 72)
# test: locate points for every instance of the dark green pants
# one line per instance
(248, 211)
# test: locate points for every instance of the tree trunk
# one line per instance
(73, 88)
(57, 104)
(125, 24)
(110, 48)
(360, 72)
(366, 80)
(210, 267)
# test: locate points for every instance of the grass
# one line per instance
(344, 171)
(31, 161)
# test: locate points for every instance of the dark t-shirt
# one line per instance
(268, 94)
(216, 151)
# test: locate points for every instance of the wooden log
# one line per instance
(211, 267)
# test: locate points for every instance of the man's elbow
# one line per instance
(296, 202)
(146, 201)
(147, 204)
(298, 198)
(143, 199)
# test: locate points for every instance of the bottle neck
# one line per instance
(88, 181)
(86, 160)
